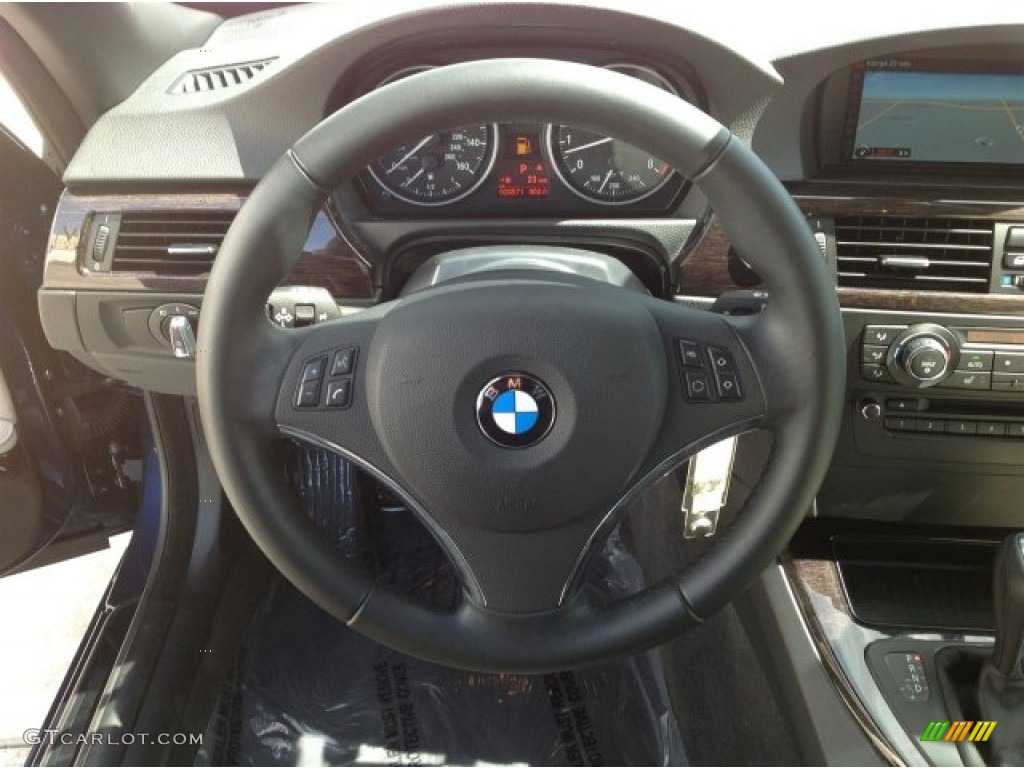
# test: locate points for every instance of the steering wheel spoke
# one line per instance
(517, 573)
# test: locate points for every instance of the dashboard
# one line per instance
(900, 139)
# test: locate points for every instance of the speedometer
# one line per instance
(440, 168)
(603, 169)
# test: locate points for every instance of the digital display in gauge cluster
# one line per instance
(486, 167)
(523, 170)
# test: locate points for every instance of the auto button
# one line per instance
(975, 361)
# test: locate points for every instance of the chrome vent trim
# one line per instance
(919, 254)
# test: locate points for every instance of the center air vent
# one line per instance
(170, 243)
(914, 254)
(217, 78)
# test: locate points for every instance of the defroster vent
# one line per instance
(218, 78)
(170, 243)
(919, 254)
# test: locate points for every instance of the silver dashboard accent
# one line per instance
(191, 250)
(472, 261)
(905, 262)
(183, 338)
(707, 488)
(8, 419)
(821, 597)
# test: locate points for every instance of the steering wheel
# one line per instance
(518, 413)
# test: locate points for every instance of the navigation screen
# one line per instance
(939, 117)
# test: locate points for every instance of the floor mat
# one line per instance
(313, 692)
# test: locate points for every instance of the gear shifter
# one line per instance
(1009, 598)
(1001, 687)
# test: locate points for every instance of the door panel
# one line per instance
(33, 506)
(72, 476)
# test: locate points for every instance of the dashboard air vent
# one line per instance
(217, 78)
(914, 254)
(170, 243)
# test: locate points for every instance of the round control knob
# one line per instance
(870, 410)
(926, 358)
(160, 319)
(923, 355)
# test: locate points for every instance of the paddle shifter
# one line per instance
(1001, 687)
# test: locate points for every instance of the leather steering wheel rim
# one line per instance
(797, 343)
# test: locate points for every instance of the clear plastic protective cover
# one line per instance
(310, 691)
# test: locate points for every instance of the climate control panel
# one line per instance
(930, 355)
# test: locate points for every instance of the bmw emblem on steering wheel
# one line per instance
(515, 410)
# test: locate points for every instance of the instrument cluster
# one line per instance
(525, 169)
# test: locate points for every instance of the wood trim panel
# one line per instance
(838, 205)
(711, 269)
(933, 302)
(327, 260)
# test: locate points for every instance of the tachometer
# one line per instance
(438, 169)
(603, 169)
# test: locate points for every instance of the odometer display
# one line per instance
(438, 169)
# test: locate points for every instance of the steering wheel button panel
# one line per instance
(697, 386)
(308, 395)
(721, 362)
(689, 353)
(314, 370)
(344, 362)
(728, 386)
(339, 393)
